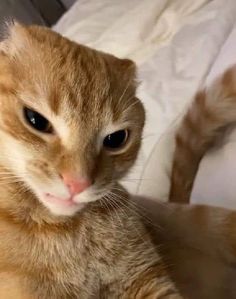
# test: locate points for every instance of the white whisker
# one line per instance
(125, 90)
(135, 207)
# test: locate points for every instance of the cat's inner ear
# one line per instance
(16, 39)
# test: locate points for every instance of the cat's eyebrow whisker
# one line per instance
(131, 105)
(129, 100)
(124, 92)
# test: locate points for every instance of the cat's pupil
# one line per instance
(37, 121)
(116, 139)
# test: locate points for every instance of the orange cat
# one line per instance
(70, 128)
(210, 115)
(198, 246)
(200, 237)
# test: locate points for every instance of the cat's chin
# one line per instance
(61, 207)
(68, 206)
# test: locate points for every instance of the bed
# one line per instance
(177, 45)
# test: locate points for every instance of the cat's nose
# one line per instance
(75, 184)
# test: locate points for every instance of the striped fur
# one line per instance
(103, 250)
(199, 246)
(212, 112)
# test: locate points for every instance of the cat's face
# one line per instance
(70, 125)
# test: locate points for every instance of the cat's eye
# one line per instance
(37, 121)
(116, 140)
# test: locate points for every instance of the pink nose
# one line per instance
(75, 185)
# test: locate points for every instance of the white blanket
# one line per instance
(174, 44)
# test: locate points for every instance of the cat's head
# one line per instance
(70, 124)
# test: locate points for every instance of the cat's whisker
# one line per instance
(3, 176)
(123, 208)
(105, 201)
(7, 183)
(139, 179)
(149, 136)
(125, 90)
(131, 105)
(8, 173)
(111, 201)
(10, 179)
(137, 209)
(10, 176)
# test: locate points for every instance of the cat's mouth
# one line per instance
(70, 204)
(67, 202)
(62, 206)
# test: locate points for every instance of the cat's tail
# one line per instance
(211, 113)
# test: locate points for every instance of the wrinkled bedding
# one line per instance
(175, 45)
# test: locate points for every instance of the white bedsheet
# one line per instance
(174, 44)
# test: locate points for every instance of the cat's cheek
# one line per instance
(122, 163)
(122, 167)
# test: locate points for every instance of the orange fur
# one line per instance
(198, 247)
(105, 250)
(209, 116)
(101, 249)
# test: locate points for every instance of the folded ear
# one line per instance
(127, 66)
(16, 38)
(126, 70)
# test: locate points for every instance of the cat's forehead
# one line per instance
(64, 74)
(75, 86)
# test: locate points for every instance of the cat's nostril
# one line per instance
(75, 184)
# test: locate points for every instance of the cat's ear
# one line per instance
(15, 39)
(126, 69)
(127, 66)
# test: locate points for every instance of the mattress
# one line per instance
(175, 45)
